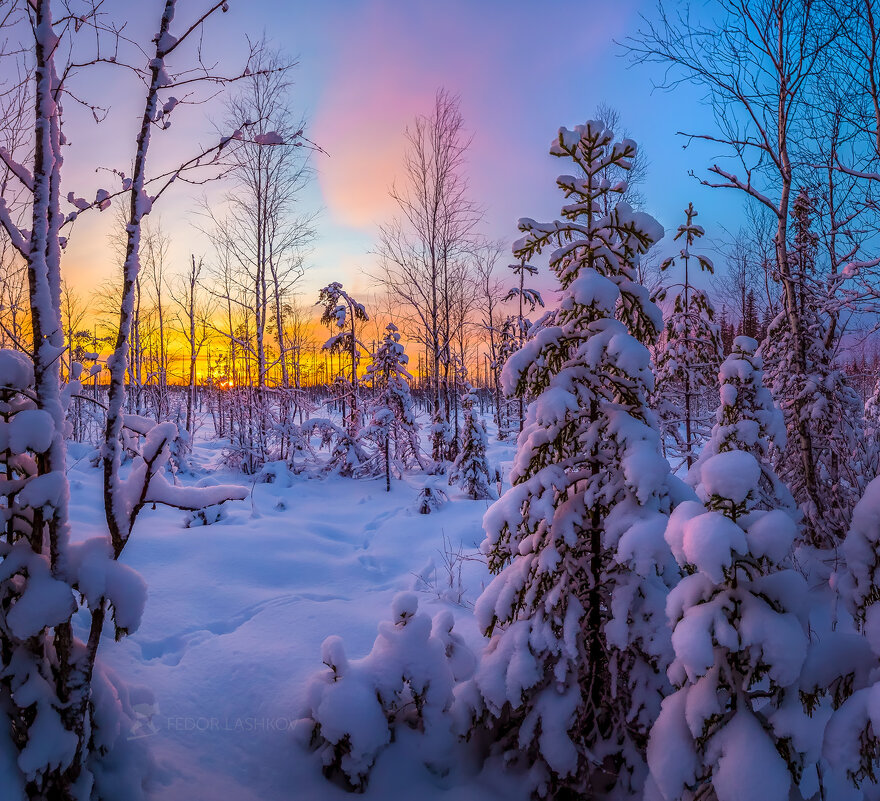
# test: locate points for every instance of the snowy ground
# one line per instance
(237, 612)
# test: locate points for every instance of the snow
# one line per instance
(749, 766)
(30, 429)
(44, 602)
(270, 138)
(731, 475)
(16, 369)
(709, 542)
(237, 612)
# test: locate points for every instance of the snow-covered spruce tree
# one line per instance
(392, 426)
(736, 723)
(572, 677)
(871, 428)
(852, 737)
(508, 344)
(747, 419)
(442, 436)
(687, 356)
(818, 403)
(353, 707)
(740, 617)
(471, 468)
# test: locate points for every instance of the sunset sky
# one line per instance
(366, 68)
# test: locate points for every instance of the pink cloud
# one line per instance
(510, 65)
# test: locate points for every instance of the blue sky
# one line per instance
(367, 67)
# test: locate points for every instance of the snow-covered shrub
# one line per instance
(571, 680)
(250, 419)
(430, 499)
(471, 468)
(354, 706)
(277, 473)
(348, 457)
(291, 440)
(204, 517)
(180, 447)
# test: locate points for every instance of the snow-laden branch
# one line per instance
(18, 170)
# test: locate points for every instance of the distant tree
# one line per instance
(820, 400)
(471, 468)
(490, 296)
(688, 356)
(392, 417)
(524, 296)
(424, 251)
(191, 320)
(343, 312)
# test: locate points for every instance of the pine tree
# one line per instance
(471, 468)
(343, 312)
(740, 620)
(571, 679)
(532, 297)
(689, 354)
(820, 401)
(393, 415)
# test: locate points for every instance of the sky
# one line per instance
(365, 69)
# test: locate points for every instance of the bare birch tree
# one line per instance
(423, 251)
(758, 61)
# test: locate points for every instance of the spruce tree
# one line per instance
(392, 423)
(747, 419)
(733, 729)
(688, 355)
(852, 737)
(571, 679)
(508, 344)
(821, 401)
(871, 427)
(471, 468)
